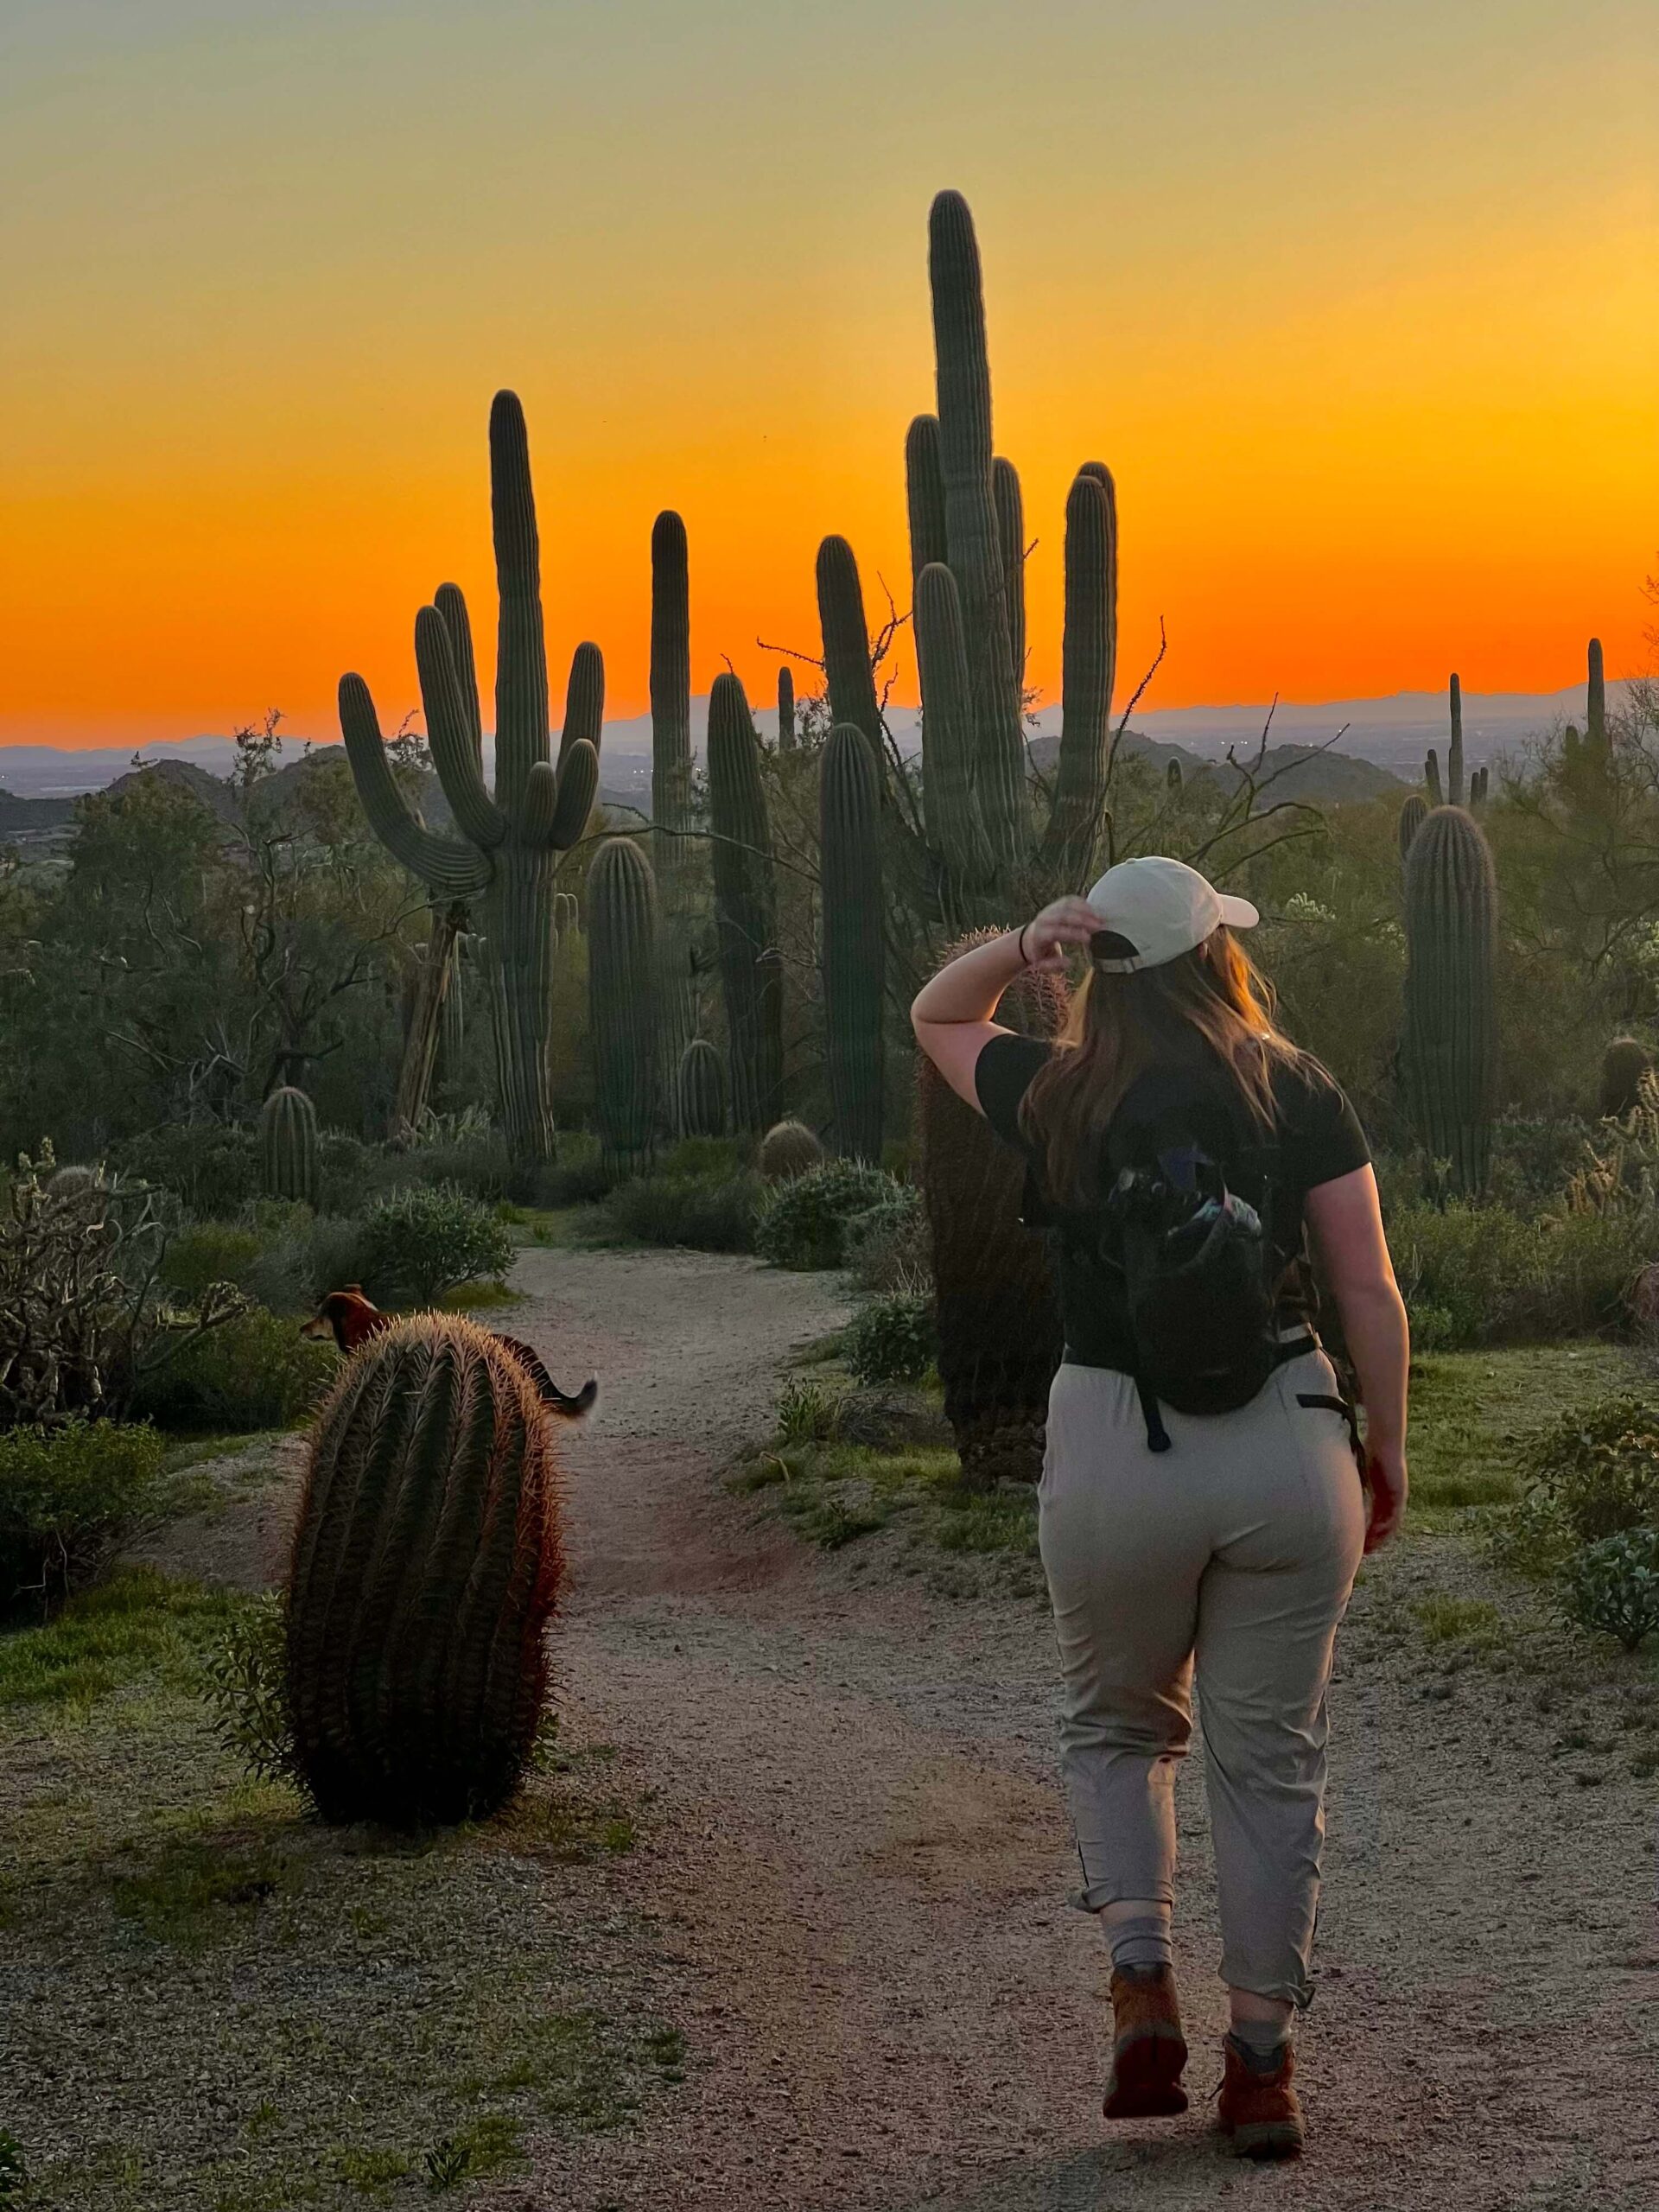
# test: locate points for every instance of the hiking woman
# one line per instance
(1180, 1151)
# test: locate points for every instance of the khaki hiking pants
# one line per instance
(1237, 1548)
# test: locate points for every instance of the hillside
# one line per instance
(1299, 772)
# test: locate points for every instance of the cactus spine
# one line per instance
(425, 1565)
(1412, 814)
(746, 907)
(622, 1010)
(786, 739)
(1450, 1044)
(999, 1322)
(846, 643)
(699, 1091)
(855, 939)
(288, 1145)
(1454, 749)
(505, 854)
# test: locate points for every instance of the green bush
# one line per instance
(887, 1248)
(247, 1690)
(891, 1339)
(809, 1412)
(418, 1242)
(1481, 1275)
(255, 1372)
(1613, 1585)
(464, 1152)
(66, 1496)
(1592, 1474)
(578, 1177)
(213, 1167)
(805, 1221)
(209, 1252)
(709, 1213)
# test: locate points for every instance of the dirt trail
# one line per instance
(854, 1863)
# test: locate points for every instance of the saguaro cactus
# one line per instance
(1450, 1039)
(1624, 1064)
(746, 907)
(1089, 663)
(1431, 778)
(786, 739)
(1454, 789)
(846, 643)
(699, 1091)
(999, 1322)
(505, 854)
(288, 1145)
(673, 857)
(1011, 539)
(1595, 704)
(426, 1562)
(854, 940)
(1412, 814)
(621, 998)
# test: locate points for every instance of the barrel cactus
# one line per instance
(1450, 1042)
(854, 940)
(699, 1091)
(746, 907)
(502, 858)
(425, 1566)
(288, 1145)
(789, 1148)
(1624, 1064)
(621, 1001)
(998, 1316)
(1412, 814)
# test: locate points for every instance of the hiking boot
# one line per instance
(1148, 2049)
(1259, 2109)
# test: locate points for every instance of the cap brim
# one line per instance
(1237, 913)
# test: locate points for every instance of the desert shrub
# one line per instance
(254, 1372)
(710, 1156)
(1481, 1274)
(67, 1495)
(209, 1252)
(461, 1150)
(809, 1411)
(1613, 1585)
(211, 1167)
(418, 1242)
(710, 1213)
(805, 1221)
(891, 1339)
(350, 1174)
(1533, 1156)
(1592, 1474)
(247, 1689)
(888, 1248)
(578, 1177)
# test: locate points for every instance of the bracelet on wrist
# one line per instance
(1020, 941)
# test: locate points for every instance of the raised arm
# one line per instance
(1346, 1220)
(952, 1013)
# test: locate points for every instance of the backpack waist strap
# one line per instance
(1158, 1438)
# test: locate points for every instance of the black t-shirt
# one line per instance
(1316, 1138)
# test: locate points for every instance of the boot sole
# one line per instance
(1146, 2079)
(1267, 2138)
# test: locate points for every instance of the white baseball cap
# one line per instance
(1163, 908)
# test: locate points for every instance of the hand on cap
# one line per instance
(1065, 922)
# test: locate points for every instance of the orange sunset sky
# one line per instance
(1361, 304)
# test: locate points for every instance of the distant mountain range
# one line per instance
(1382, 744)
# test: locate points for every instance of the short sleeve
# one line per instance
(1002, 1075)
(1325, 1140)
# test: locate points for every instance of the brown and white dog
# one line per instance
(350, 1320)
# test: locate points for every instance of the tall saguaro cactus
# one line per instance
(1595, 702)
(621, 1000)
(1451, 1037)
(846, 643)
(426, 1562)
(855, 939)
(288, 1145)
(504, 856)
(786, 739)
(671, 782)
(1454, 785)
(1089, 663)
(746, 907)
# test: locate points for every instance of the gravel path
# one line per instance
(854, 1863)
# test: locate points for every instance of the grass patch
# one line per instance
(483, 1296)
(140, 1627)
(1473, 1414)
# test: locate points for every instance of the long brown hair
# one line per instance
(1211, 1007)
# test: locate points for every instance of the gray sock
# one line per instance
(1261, 2042)
(1142, 1942)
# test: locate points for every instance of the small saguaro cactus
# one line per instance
(425, 1565)
(699, 1091)
(787, 1149)
(1411, 821)
(1172, 776)
(1432, 779)
(746, 907)
(1595, 701)
(786, 738)
(999, 1321)
(505, 852)
(621, 1001)
(288, 1145)
(1451, 1039)
(854, 940)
